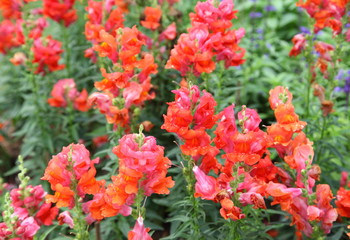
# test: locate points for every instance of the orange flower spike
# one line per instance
(153, 16)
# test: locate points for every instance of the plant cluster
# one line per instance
(152, 119)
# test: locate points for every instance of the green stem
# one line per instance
(29, 74)
(324, 126)
(194, 214)
(71, 125)
(233, 230)
(220, 82)
(67, 48)
(310, 61)
(80, 225)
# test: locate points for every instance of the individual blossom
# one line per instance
(230, 211)
(100, 140)
(27, 228)
(152, 17)
(324, 50)
(46, 214)
(65, 218)
(226, 128)
(249, 118)
(19, 58)
(343, 202)
(279, 95)
(206, 186)
(139, 231)
(169, 33)
(299, 43)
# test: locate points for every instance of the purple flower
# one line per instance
(340, 75)
(260, 31)
(338, 89)
(343, 75)
(304, 30)
(255, 15)
(270, 8)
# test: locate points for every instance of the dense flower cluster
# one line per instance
(16, 31)
(130, 85)
(29, 213)
(320, 55)
(47, 55)
(71, 173)
(95, 12)
(210, 39)
(232, 158)
(142, 171)
(325, 13)
(65, 93)
(60, 11)
(248, 175)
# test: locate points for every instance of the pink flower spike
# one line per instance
(139, 232)
(206, 186)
